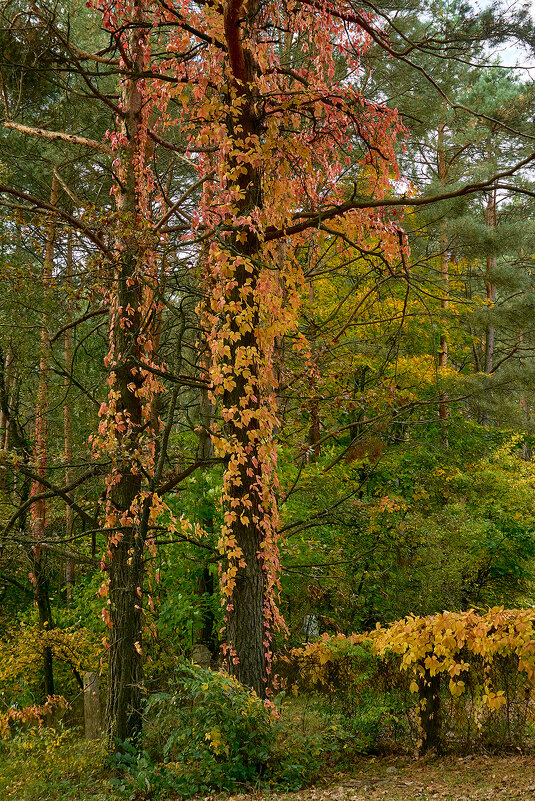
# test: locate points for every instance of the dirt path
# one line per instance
(447, 779)
(453, 779)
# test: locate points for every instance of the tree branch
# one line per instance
(74, 323)
(42, 204)
(314, 219)
(62, 492)
(73, 139)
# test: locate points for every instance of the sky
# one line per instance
(512, 55)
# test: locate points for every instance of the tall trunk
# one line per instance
(430, 712)
(445, 280)
(314, 431)
(5, 389)
(127, 515)
(41, 596)
(67, 418)
(279, 343)
(205, 633)
(490, 288)
(38, 514)
(245, 619)
(491, 222)
(247, 631)
(527, 452)
(125, 546)
(359, 419)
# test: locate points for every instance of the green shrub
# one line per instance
(364, 696)
(210, 731)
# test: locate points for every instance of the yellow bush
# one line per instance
(22, 649)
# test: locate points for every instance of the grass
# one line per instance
(59, 765)
(49, 765)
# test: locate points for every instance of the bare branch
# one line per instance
(181, 199)
(54, 491)
(313, 219)
(42, 204)
(74, 323)
(60, 136)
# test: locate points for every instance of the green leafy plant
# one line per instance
(210, 731)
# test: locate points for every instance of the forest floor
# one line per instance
(471, 778)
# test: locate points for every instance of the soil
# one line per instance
(470, 778)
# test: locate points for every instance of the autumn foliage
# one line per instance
(468, 672)
(248, 370)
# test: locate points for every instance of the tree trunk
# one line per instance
(246, 633)
(247, 390)
(92, 724)
(491, 222)
(5, 388)
(38, 511)
(67, 419)
(41, 596)
(205, 634)
(314, 431)
(430, 713)
(445, 280)
(246, 515)
(127, 514)
(125, 541)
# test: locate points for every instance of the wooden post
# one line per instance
(92, 718)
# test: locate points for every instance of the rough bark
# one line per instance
(445, 279)
(67, 419)
(38, 512)
(92, 722)
(491, 222)
(314, 431)
(430, 716)
(245, 619)
(126, 564)
(490, 290)
(5, 388)
(205, 634)
(246, 627)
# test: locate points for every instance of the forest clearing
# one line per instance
(267, 400)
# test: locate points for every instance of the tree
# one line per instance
(130, 447)
(281, 119)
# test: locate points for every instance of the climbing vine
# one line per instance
(277, 125)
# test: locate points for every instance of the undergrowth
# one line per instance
(205, 733)
(40, 763)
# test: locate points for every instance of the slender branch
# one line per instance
(74, 323)
(313, 219)
(46, 545)
(60, 136)
(62, 492)
(182, 198)
(42, 204)
(68, 191)
(177, 479)
(83, 55)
